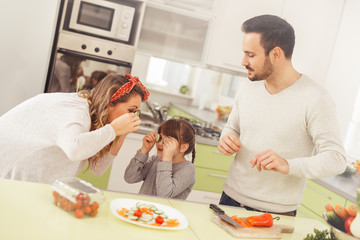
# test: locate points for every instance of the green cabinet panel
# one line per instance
(98, 181)
(316, 197)
(348, 203)
(305, 212)
(176, 112)
(209, 180)
(209, 157)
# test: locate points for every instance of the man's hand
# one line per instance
(229, 144)
(270, 160)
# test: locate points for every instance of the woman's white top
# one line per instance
(47, 137)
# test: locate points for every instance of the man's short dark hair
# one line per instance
(275, 32)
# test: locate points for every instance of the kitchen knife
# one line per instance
(221, 214)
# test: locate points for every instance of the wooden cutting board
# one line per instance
(253, 232)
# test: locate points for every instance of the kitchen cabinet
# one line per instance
(211, 168)
(173, 33)
(225, 45)
(315, 199)
(203, 6)
(132, 143)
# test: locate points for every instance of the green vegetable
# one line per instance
(334, 220)
(320, 235)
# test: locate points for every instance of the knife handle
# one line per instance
(216, 209)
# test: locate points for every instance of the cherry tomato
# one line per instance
(138, 213)
(347, 224)
(79, 213)
(87, 209)
(78, 204)
(94, 206)
(80, 196)
(93, 213)
(159, 219)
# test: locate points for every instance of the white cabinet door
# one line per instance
(174, 34)
(225, 46)
(316, 25)
(132, 143)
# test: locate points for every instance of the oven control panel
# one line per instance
(97, 47)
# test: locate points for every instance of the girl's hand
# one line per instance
(126, 123)
(170, 146)
(148, 142)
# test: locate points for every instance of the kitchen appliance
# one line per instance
(105, 19)
(202, 130)
(221, 214)
(103, 34)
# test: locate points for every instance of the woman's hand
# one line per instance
(126, 123)
(170, 145)
(148, 142)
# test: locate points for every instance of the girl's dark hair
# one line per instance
(275, 32)
(182, 131)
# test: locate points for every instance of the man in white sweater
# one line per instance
(282, 127)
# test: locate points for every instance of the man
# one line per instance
(282, 127)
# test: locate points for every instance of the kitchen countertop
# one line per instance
(341, 185)
(204, 115)
(28, 212)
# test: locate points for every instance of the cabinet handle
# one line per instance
(301, 212)
(218, 152)
(216, 175)
(315, 190)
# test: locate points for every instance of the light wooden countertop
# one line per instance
(27, 212)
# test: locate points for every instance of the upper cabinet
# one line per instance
(225, 45)
(174, 33)
(203, 6)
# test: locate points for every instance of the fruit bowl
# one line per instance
(338, 234)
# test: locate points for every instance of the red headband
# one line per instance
(124, 89)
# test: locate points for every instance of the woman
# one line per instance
(53, 134)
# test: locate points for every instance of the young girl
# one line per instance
(52, 135)
(168, 174)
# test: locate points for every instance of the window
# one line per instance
(167, 74)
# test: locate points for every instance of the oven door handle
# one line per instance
(95, 58)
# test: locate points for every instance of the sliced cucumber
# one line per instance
(132, 217)
(159, 212)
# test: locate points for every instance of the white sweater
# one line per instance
(47, 137)
(300, 125)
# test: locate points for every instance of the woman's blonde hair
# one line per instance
(99, 103)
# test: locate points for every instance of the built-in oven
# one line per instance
(93, 36)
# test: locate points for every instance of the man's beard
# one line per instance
(265, 72)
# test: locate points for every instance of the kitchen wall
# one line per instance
(27, 29)
(343, 79)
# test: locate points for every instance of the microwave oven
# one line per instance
(102, 18)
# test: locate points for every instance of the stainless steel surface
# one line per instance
(339, 235)
(221, 214)
(102, 18)
(95, 46)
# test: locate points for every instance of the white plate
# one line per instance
(119, 203)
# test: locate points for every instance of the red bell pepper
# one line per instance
(264, 220)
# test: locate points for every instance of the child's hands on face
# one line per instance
(170, 145)
(148, 142)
